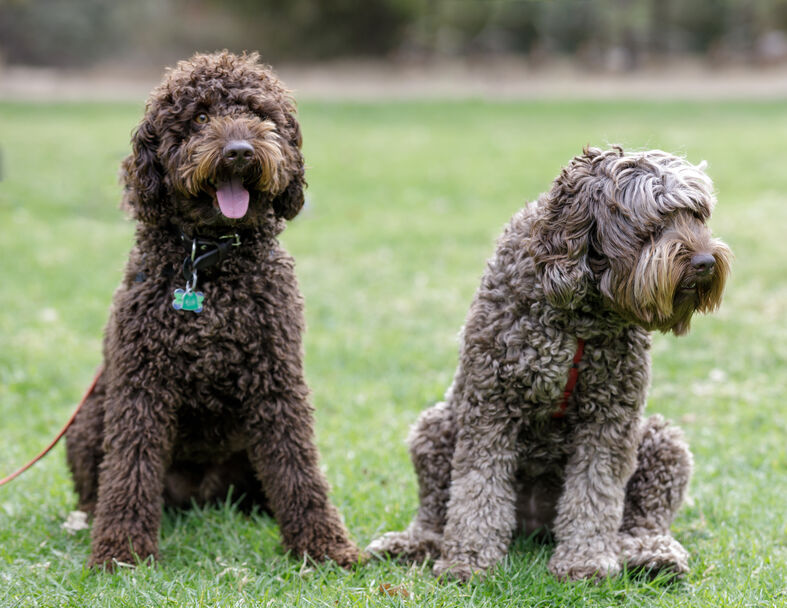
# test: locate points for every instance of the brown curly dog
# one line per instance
(203, 384)
(618, 247)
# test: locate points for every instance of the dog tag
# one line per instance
(188, 300)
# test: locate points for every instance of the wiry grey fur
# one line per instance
(612, 251)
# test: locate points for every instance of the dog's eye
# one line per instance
(201, 118)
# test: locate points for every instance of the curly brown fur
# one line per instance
(618, 247)
(190, 404)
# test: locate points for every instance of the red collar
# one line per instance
(573, 374)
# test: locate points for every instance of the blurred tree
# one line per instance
(617, 34)
(319, 29)
(700, 24)
(56, 32)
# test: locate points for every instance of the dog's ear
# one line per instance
(290, 201)
(142, 175)
(561, 235)
(287, 204)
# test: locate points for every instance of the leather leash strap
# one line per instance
(62, 432)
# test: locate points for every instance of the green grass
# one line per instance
(405, 202)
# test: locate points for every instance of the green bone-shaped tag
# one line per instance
(188, 300)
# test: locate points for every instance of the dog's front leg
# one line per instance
(285, 459)
(481, 514)
(137, 444)
(590, 509)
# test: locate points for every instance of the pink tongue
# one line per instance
(233, 198)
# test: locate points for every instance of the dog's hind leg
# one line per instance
(653, 495)
(432, 441)
(235, 475)
(84, 447)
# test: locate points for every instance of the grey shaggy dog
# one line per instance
(618, 247)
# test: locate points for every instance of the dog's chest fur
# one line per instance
(219, 358)
(610, 372)
(517, 351)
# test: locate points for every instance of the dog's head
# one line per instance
(631, 228)
(218, 145)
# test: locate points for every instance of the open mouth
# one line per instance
(689, 287)
(230, 196)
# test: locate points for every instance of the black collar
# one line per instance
(202, 253)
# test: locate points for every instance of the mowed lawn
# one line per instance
(404, 205)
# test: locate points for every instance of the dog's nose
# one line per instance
(238, 153)
(703, 264)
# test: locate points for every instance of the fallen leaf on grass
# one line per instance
(76, 520)
(393, 590)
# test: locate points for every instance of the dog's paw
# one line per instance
(347, 555)
(110, 564)
(407, 545)
(113, 559)
(656, 553)
(571, 564)
(391, 543)
(111, 553)
(459, 570)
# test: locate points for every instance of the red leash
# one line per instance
(573, 375)
(46, 450)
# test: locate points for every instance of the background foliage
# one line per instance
(619, 34)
